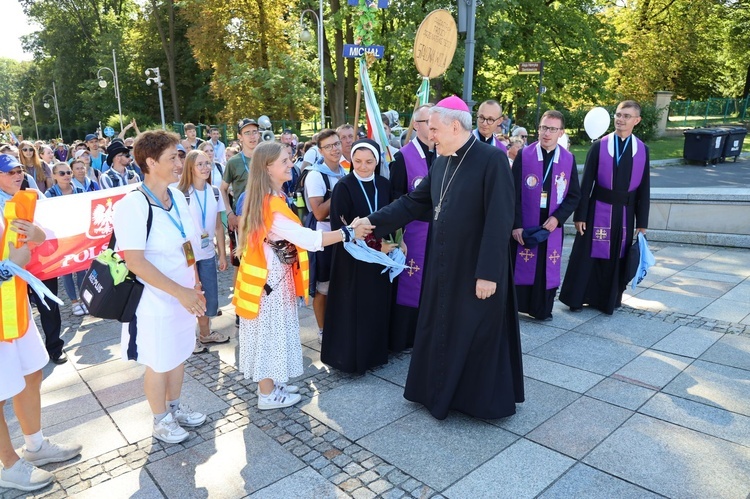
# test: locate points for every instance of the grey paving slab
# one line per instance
(674, 461)
(714, 384)
(585, 482)
(740, 293)
(341, 408)
(311, 363)
(661, 300)
(89, 373)
(66, 403)
(681, 283)
(436, 452)
(542, 402)
(57, 377)
(731, 350)
(97, 353)
(120, 386)
(627, 395)
(534, 334)
(725, 310)
(305, 483)
(710, 276)
(653, 368)
(590, 353)
(563, 318)
(522, 470)
(675, 251)
(85, 335)
(133, 485)
(627, 329)
(560, 375)
(700, 417)
(579, 427)
(248, 460)
(687, 341)
(673, 262)
(724, 262)
(395, 371)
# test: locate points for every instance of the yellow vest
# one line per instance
(253, 270)
(14, 300)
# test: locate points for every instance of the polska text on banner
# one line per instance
(78, 228)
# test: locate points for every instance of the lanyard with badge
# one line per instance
(205, 241)
(244, 161)
(543, 199)
(618, 154)
(187, 247)
(369, 205)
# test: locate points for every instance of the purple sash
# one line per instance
(494, 142)
(531, 194)
(603, 220)
(415, 233)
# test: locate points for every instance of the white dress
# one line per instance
(162, 336)
(270, 344)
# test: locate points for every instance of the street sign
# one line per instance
(529, 67)
(109, 131)
(352, 51)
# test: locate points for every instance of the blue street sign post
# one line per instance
(352, 51)
(109, 131)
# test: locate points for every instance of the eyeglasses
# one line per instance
(64, 173)
(330, 147)
(124, 154)
(27, 149)
(543, 129)
(485, 119)
(420, 121)
(522, 136)
(13, 173)
(625, 117)
(251, 133)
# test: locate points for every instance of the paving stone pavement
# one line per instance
(653, 401)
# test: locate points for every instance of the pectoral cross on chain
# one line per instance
(437, 211)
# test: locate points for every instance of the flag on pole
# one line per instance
(375, 128)
(423, 94)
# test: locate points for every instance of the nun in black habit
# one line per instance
(355, 336)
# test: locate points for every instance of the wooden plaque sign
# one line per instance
(435, 43)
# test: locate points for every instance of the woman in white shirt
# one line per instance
(162, 333)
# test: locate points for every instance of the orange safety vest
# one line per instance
(253, 271)
(14, 300)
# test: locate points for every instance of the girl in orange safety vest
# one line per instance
(273, 271)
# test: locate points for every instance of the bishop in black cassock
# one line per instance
(467, 350)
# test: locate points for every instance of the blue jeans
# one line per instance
(70, 286)
(207, 273)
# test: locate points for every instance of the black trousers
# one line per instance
(51, 320)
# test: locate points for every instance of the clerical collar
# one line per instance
(364, 179)
(465, 147)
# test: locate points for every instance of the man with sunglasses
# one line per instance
(119, 172)
(615, 201)
(489, 119)
(547, 193)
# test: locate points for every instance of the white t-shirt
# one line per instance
(217, 176)
(312, 155)
(163, 247)
(212, 208)
(315, 187)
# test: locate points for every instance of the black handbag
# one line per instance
(102, 297)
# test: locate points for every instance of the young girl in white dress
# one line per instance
(270, 350)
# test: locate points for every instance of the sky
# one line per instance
(15, 25)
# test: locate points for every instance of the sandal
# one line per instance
(213, 337)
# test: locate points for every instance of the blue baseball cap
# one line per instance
(181, 148)
(90, 136)
(8, 163)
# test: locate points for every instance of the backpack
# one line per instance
(299, 192)
(216, 194)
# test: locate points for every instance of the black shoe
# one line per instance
(237, 321)
(59, 360)
(576, 309)
(548, 319)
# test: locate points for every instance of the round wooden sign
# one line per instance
(435, 43)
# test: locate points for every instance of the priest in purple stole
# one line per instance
(615, 201)
(489, 119)
(410, 165)
(547, 193)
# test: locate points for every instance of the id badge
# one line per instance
(543, 200)
(205, 241)
(187, 248)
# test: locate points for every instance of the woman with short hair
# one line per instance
(162, 333)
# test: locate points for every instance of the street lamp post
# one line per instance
(306, 37)
(19, 119)
(57, 109)
(157, 79)
(103, 84)
(33, 113)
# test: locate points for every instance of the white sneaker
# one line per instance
(287, 388)
(277, 399)
(169, 431)
(199, 347)
(77, 309)
(187, 417)
(51, 453)
(25, 476)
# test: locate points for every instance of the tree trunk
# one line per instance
(168, 47)
(337, 88)
(746, 90)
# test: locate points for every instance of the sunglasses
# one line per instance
(64, 173)
(27, 149)
(13, 173)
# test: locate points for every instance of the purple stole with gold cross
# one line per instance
(603, 212)
(531, 195)
(415, 233)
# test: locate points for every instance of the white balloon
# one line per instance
(596, 122)
(564, 141)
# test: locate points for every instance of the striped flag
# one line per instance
(375, 128)
(423, 94)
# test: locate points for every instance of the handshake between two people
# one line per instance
(362, 227)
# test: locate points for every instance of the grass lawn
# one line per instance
(666, 148)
